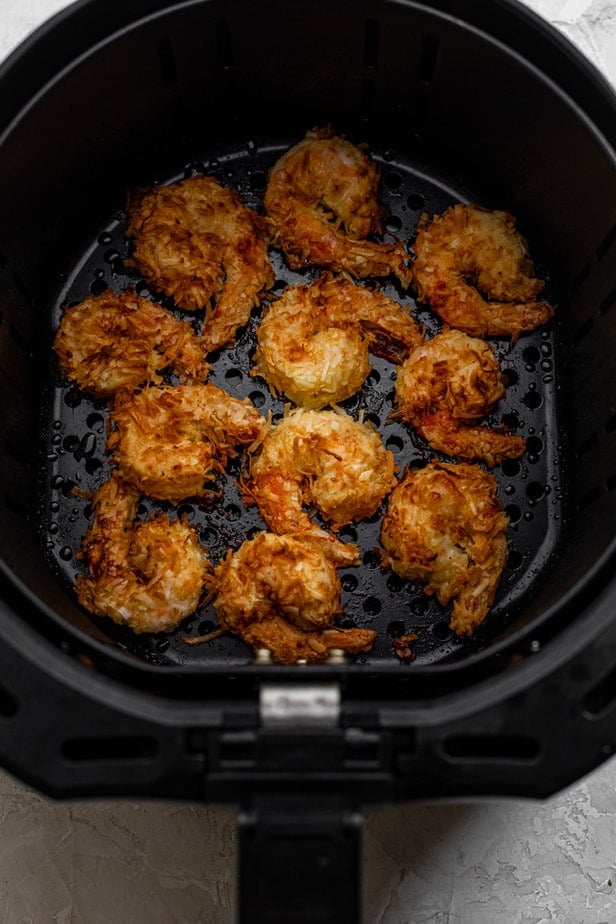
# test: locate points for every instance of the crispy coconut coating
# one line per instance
(313, 342)
(148, 575)
(170, 441)
(445, 527)
(446, 385)
(473, 269)
(322, 203)
(282, 593)
(109, 342)
(197, 242)
(325, 459)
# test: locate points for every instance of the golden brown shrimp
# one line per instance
(445, 527)
(321, 199)
(323, 458)
(446, 385)
(196, 241)
(169, 441)
(108, 342)
(282, 593)
(146, 575)
(313, 342)
(468, 251)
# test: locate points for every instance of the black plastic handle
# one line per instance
(299, 860)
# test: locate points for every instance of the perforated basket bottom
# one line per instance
(373, 597)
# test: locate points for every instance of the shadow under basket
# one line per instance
(457, 101)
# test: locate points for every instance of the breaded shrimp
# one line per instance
(446, 385)
(282, 593)
(467, 253)
(321, 200)
(445, 527)
(313, 342)
(323, 458)
(197, 242)
(169, 441)
(108, 342)
(148, 575)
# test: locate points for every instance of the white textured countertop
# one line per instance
(119, 861)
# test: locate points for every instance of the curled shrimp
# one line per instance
(108, 342)
(197, 242)
(444, 526)
(468, 251)
(313, 342)
(325, 459)
(444, 387)
(283, 593)
(148, 575)
(170, 441)
(322, 203)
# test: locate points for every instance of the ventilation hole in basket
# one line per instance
(608, 302)
(372, 606)
(372, 37)
(511, 421)
(393, 224)
(531, 355)
(589, 498)
(428, 59)
(257, 398)
(586, 445)
(534, 446)
(441, 630)
(492, 747)
(349, 533)
(416, 202)
(606, 243)
(514, 560)
(513, 512)
(396, 628)
(532, 399)
(232, 512)
(225, 47)
(392, 180)
(579, 279)
(394, 444)
(535, 491)
(602, 695)
(349, 583)
(372, 560)
(166, 58)
(208, 536)
(233, 377)
(395, 584)
(510, 377)
(135, 747)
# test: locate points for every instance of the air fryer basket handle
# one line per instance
(299, 860)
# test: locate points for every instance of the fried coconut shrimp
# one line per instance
(444, 387)
(473, 269)
(445, 527)
(282, 593)
(109, 342)
(325, 459)
(313, 342)
(197, 242)
(321, 199)
(148, 575)
(169, 441)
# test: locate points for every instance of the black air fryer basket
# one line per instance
(458, 101)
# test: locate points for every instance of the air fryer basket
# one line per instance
(458, 101)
